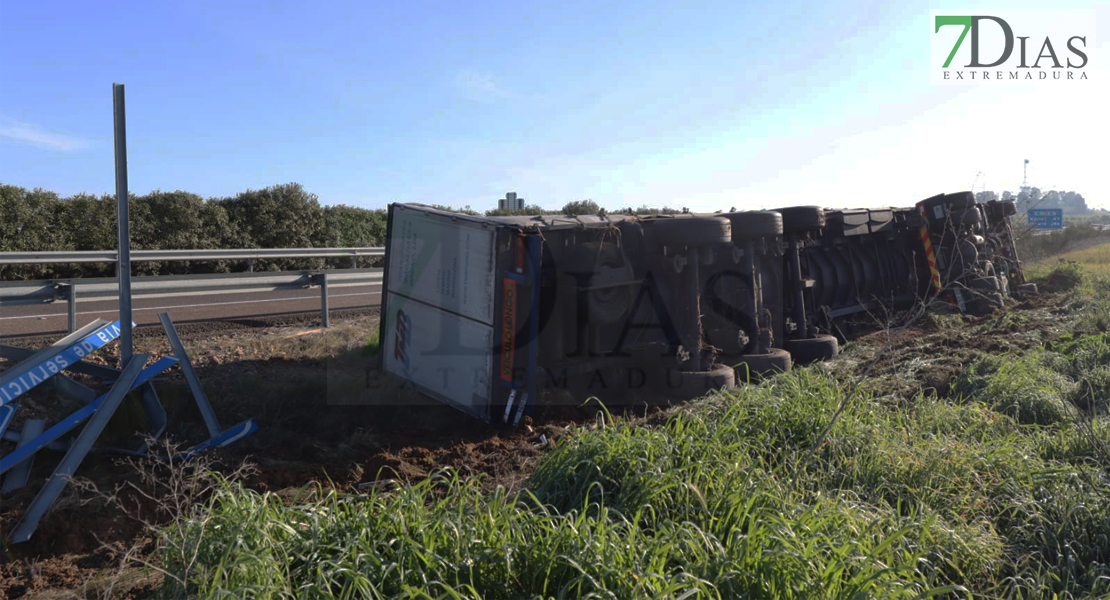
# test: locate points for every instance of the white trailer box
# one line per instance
(454, 287)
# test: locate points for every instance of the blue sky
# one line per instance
(708, 106)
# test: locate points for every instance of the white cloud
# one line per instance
(27, 133)
(476, 85)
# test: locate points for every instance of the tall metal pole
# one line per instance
(123, 229)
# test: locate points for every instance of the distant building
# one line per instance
(511, 202)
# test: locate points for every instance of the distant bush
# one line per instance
(1033, 246)
(1068, 275)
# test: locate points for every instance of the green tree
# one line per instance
(89, 222)
(29, 223)
(466, 210)
(280, 216)
(1074, 203)
(581, 207)
(354, 227)
(644, 209)
(166, 221)
(528, 210)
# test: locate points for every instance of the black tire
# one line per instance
(805, 351)
(607, 305)
(754, 366)
(947, 204)
(914, 220)
(989, 285)
(960, 200)
(798, 219)
(755, 224)
(965, 217)
(986, 267)
(686, 385)
(1000, 209)
(987, 303)
(691, 231)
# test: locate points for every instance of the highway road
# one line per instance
(50, 318)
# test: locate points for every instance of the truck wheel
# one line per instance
(968, 217)
(797, 219)
(809, 350)
(990, 303)
(952, 202)
(755, 224)
(985, 284)
(693, 231)
(1000, 209)
(987, 268)
(754, 366)
(960, 200)
(686, 385)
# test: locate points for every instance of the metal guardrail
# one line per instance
(106, 288)
(13, 258)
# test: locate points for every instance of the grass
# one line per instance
(1094, 261)
(945, 496)
(1000, 489)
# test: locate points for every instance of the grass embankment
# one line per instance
(1094, 261)
(1000, 489)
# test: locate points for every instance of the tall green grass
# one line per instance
(1001, 490)
(715, 503)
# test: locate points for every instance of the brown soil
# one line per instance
(340, 422)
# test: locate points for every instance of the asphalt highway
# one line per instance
(49, 318)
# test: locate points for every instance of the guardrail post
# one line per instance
(324, 318)
(71, 301)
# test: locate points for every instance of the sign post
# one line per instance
(123, 229)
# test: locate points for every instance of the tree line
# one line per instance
(1073, 203)
(279, 216)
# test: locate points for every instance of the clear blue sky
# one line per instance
(709, 106)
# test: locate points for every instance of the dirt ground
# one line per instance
(328, 415)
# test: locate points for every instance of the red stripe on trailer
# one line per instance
(931, 257)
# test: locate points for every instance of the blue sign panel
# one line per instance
(56, 363)
(1046, 218)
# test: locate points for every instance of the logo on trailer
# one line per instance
(401, 340)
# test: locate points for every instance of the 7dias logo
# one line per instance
(1011, 46)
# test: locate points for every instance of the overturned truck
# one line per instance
(494, 315)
